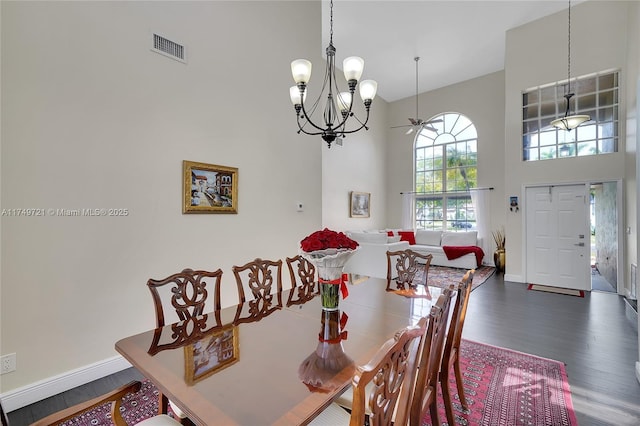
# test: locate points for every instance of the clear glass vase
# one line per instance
(330, 263)
(318, 370)
(330, 279)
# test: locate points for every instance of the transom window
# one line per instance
(595, 95)
(446, 152)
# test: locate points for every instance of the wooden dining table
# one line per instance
(280, 369)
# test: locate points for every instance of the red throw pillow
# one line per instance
(408, 236)
(390, 233)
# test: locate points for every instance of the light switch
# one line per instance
(299, 207)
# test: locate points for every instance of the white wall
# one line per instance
(633, 130)
(358, 165)
(599, 42)
(482, 101)
(91, 118)
(630, 196)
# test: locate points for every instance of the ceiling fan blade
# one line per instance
(433, 129)
(398, 127)
(408, 132)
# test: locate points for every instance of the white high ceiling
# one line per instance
(456, 40)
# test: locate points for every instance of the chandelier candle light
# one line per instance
(569, 122)
(329, 251)
(334, 125)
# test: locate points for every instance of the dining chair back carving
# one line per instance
(382, 388)
(262, 280)
(430, 357)
(185, 293)
(406, 264)
(182, 333)
(451, 354)
(303, 282)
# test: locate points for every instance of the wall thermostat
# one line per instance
(513, 204)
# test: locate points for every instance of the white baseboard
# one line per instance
(34, 392)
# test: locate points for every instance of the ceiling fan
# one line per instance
(418, 124)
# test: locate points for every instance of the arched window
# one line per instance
(446, 153)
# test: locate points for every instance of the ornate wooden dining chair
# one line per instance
(183, 295)
(262, 280)
(451, 355)
(303, 280)
(114, 398)
(430, 357)
(382, 388)
(406, 265)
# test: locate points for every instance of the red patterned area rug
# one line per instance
(135, 408)
(557, 290)
(509, 388)
(442, 276)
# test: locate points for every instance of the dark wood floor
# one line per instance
(29, 414)
(593, 336)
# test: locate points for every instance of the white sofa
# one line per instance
(431, 242)
(371, 257)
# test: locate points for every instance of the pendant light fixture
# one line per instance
(333, 125)
(569, 122)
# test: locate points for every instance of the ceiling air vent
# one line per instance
(169, 48)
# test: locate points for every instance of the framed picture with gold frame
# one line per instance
(359, 204)
(209, 188)
(213, 352)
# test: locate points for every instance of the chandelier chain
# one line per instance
(331, 22)
(569, 52)
(569, 122)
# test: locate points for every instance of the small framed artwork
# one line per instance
(212, 353)
(209, 188)
(359, 204)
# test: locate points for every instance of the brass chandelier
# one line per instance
(333, 125)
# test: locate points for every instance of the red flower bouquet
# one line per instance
(327, 239)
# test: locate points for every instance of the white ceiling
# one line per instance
(456, 40)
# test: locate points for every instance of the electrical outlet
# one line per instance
(7, 363)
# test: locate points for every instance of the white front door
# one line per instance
(557, 236)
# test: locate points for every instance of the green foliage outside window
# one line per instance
(445, 170)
